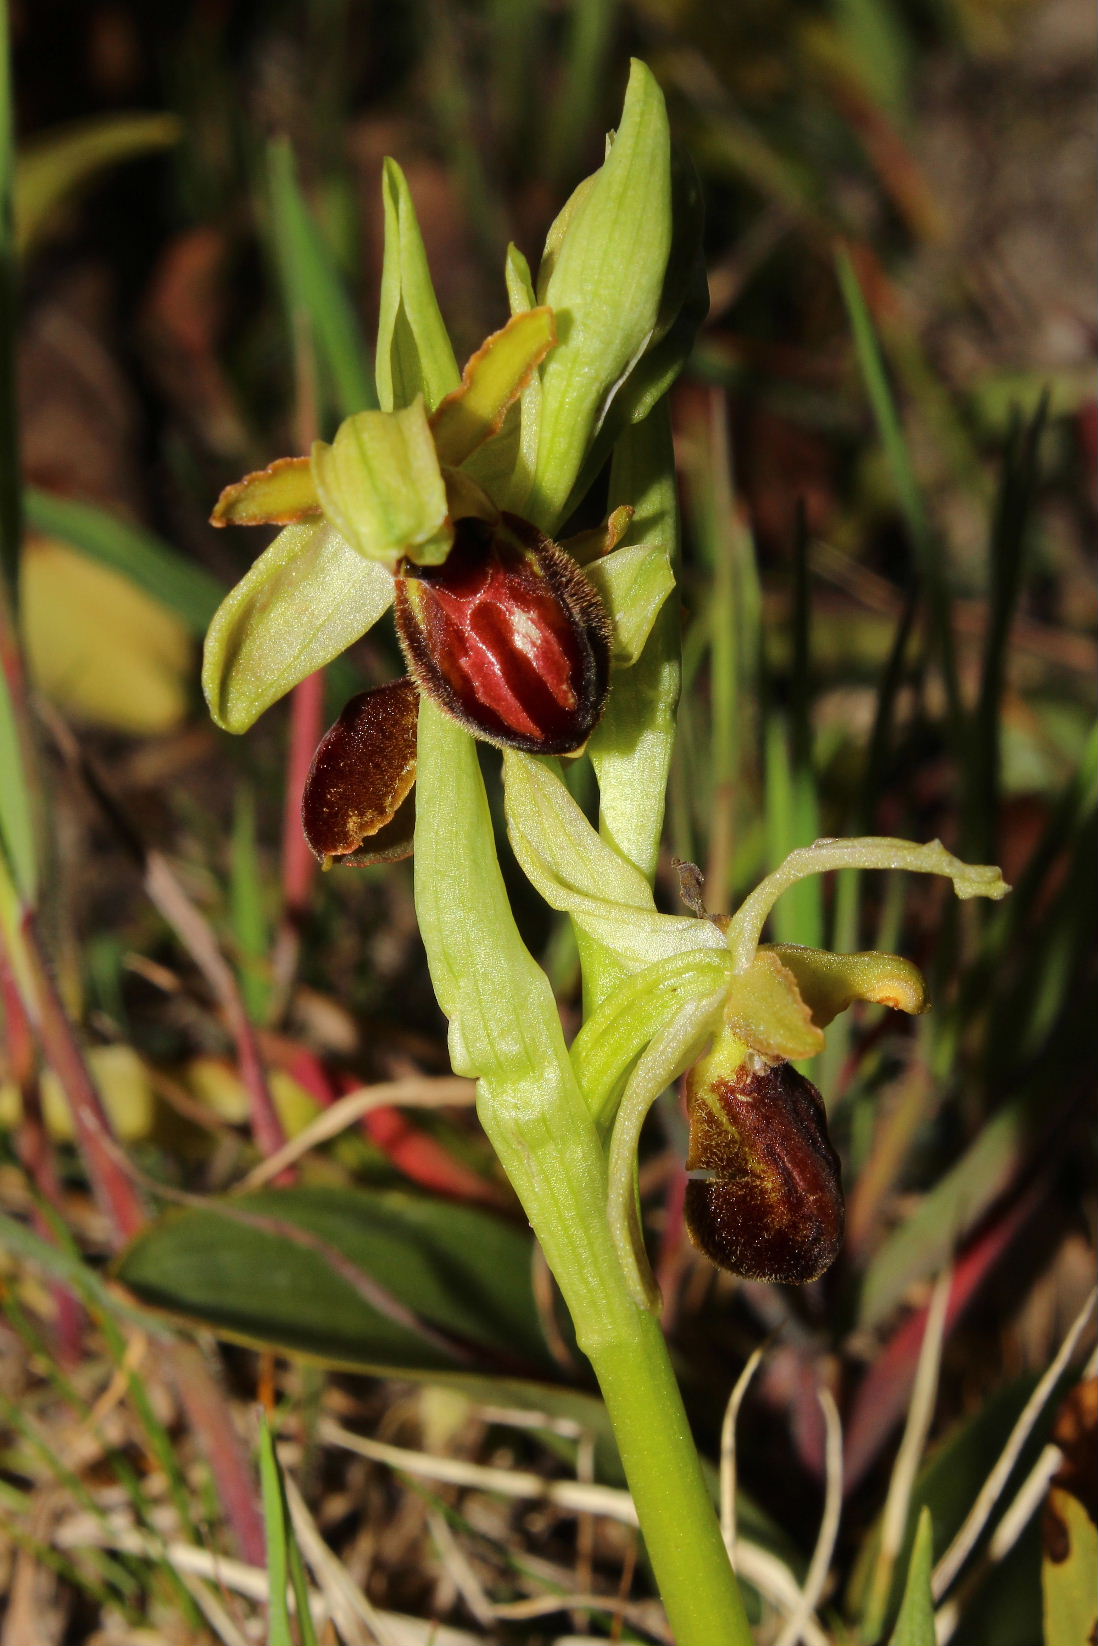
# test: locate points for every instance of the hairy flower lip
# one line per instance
(764, 1185)
(508, 637)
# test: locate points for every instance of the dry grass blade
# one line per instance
(570, 1496)
(900, 1486)
(424, 1093)
(458, 1569)
(989, 1494)
(358, 1622)
(820, 1564)
(728, 1452)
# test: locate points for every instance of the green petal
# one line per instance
(603, 275)
(282, 494)
(414, 352)
(830, 983)
(382, 489)
(307, 598)
(492, 381)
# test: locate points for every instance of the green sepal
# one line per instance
(632, 745)
(603, 276)
(381, 487)
(829, 983)
(306, 599)
(414, 352)
(683, 305)
(579, 873)
(634, 582)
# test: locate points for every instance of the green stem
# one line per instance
(628, 1353)
(504, 1029)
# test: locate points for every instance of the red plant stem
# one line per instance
(298, 863)
(194, 932)
(117, 1197)
(114, 1191)
(36, 1153)
(208, 1413)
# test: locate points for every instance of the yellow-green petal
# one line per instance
(830, 982)
(282, 494)
(492, 381)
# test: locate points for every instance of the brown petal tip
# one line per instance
(358, 806)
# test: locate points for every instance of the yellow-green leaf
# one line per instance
(493, 379)
(381, 487)
(915, 1624)
(307, 598)
(100, 647)
(282, 494)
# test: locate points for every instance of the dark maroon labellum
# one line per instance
(508, 636)
(768, 1201)
(359, 789)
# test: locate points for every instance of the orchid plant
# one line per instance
(447, 504)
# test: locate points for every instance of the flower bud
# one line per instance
(767, 1202)
(508, 636)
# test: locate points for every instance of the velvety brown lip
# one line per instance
(508, 636)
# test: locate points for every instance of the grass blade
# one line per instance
(315, 295)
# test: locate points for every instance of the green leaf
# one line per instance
(187, 590)
(62, 161)
(1069, 1584)
(17, 826)
(915, 1624)
(581, 874)
(276, 1525)
(307, 598)
(313, 288)
(414, 352)
(928, 1238)
(381, 487)
(460, 1270)
(603, 276)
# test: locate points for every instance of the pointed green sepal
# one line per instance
(603, 274)
(307, 598)
(414, 352)
(381, 487)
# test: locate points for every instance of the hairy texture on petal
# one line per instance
(509, 637)
(360, 784)
(770, 1204)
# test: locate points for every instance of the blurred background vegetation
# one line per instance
(887, 439)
